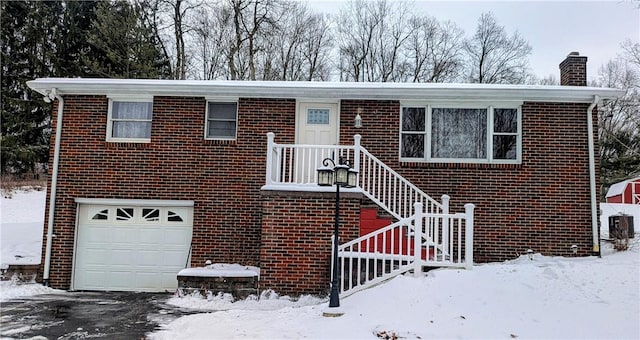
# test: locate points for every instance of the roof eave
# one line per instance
(328, 90)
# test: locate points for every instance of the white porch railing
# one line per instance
(400, 247)
(294, 165)
(426, 234)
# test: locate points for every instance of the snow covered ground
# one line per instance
(547, 297)
(22, 218)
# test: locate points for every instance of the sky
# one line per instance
(553, 28)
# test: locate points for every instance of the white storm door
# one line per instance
(316, 124)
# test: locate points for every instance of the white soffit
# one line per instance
(323, 90)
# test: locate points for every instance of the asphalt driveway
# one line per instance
(84, 315)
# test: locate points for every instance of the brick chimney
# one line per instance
(573, 70)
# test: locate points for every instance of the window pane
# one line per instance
(458, 133)
(505, 120)
(222, 111)
(221, 129)
(102, 215)
(131, 110)
(124, 214)
(504, 147)
(318, 116)
(174, 217)
(413, 119)
(151, 214)
(412, 146)
(131, 129)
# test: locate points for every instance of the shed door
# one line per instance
(131, 248)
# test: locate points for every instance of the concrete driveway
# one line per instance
(83, 315)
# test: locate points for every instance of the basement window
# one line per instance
(129, 120)
(460, 134)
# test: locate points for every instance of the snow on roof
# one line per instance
(322, 90)
(618, 188)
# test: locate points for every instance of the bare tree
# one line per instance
(170, 20)
(495, 57)
(371, 38)
(299, 48)
(260, 40)
(434, 51)
(619, 120)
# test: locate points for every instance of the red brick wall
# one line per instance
(573, 70)
(542, 204)
(223, 178)
(297, 228)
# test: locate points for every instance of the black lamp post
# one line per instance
(340, 175)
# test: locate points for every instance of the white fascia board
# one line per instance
(134, 202)
(324, 90)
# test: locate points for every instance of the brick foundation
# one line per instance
(296, 239)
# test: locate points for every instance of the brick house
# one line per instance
(151, 176)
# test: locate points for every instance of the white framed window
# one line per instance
(461, 133)
(221, 119)
(129, 119)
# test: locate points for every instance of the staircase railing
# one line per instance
(295, 165)
(400, 247)
(426, 234)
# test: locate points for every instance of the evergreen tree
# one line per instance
(27, 53)
(126, 47)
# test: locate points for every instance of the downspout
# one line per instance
(54, 182)
(592, 177)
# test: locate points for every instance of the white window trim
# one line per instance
(490, 133)
(227, 100)
(126, 98)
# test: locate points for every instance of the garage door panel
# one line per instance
(177, 236)
(124, 235)
(175, 259)
(148, 257)
(94, 256)
(136, 254)
(98, 234)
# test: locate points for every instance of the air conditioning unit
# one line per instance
(619, 225)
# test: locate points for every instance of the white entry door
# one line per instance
(317, 124)
(131, 248)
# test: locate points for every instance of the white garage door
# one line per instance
(131, 248)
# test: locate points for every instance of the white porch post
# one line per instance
(270, 141)
(356, 152)
(417, 239)
(446, 247)
(468, 235)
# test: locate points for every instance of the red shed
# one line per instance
(627, 192)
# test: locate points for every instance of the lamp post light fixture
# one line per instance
(340, 175)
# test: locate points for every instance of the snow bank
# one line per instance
(268, 300)
(14, 289)
(547, 297)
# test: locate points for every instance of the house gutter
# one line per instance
(53, 94)
(592, 177)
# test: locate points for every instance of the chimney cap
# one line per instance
(574, 54)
